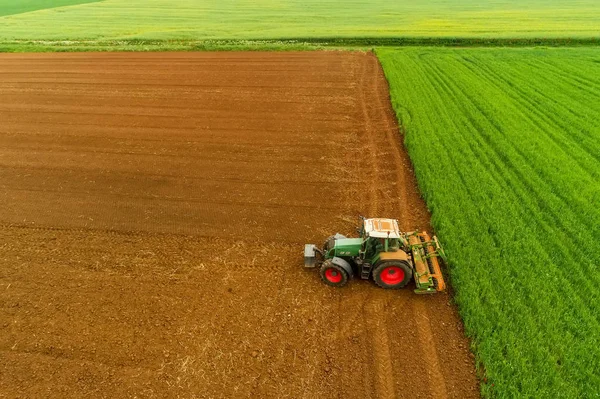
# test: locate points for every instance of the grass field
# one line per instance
(245, 19)
(11, 7)
(506, 149)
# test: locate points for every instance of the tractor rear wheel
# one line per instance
(392, 275)
(333, 275)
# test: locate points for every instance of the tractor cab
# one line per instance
(380, 235)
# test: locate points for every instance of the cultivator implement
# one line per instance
(426, 253)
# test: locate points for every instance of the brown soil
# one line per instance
(154, 211)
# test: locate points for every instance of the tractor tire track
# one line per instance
(399, 199)
(378, 329)
(437, 383)
(374, 316)
(371, 202)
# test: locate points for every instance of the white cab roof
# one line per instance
(382, 228)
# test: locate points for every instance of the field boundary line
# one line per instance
(289, 44)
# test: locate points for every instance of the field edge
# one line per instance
(284, 44)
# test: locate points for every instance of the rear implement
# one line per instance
(426, 253)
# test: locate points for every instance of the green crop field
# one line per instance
(506, 148)
(260, 19)
(11, 7)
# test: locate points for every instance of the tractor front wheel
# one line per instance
(333, 275)
(392, 275)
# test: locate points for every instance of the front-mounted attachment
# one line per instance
(311, 256)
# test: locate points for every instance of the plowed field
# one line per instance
(154, 211)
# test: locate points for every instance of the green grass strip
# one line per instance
(13, 7)
(281, 44)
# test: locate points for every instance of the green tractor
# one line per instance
(382, 253)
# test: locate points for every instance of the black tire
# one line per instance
(392, 275)
(333, 275)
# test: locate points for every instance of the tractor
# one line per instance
(382, 253)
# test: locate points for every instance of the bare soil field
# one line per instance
(153, 213)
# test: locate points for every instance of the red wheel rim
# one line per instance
(392, 275)
(333, 276)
